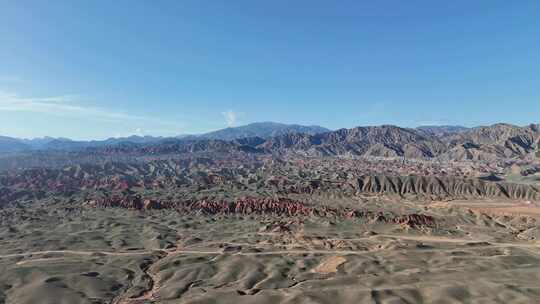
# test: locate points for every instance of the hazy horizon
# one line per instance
(247, 124)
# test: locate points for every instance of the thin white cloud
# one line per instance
(67, 106)
(231, 117)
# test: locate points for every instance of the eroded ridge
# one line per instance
(260, 206)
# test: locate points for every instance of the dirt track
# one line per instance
(180, 251)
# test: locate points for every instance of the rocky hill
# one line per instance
(201, 177)
(446, 187)
(494, 142)
(384, 141)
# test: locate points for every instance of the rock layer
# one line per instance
(280, 207)
(446, 187)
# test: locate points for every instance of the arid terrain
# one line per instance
(364, 215)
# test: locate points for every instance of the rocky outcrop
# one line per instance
(445, 187)
(530, 171)
(130, 202)
(387, 141)
(415, 220)
(192, 176)
(499, 141)
(275, 207)
(242, 206)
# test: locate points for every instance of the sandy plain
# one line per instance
(51, 253)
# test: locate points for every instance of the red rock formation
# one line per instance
(415, 220)
(248, 206)
(282, 207)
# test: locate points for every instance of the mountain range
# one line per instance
(260, 129)
(498, 141)
(486, 143)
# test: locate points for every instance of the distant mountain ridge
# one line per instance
(498, 141)
(486, 143)
(11, 145)
(441, 131)
(386, 140)
(262, 130)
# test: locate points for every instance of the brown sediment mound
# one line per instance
(330, 265)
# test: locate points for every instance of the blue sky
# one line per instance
(94, 69)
